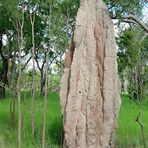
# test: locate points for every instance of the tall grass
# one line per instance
(128, 132)
(53, 125)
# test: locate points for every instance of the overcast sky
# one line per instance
(145, 13)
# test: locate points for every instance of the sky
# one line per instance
(145, 13)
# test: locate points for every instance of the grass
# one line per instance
(128, 132)
(53, 123)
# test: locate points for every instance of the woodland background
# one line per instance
(34, 36)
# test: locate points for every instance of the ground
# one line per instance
(128, 133)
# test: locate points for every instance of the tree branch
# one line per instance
(26, 63)
(136, 20)
(1, 44)
(37, 62)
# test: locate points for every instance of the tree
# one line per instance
(45, 104)
(5, 52)
(9, 49)
(128, 12)
(133, 61)
(32, 19)
(20, 25)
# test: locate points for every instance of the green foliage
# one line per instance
(54, 83)
(132, 61)
(117, 8)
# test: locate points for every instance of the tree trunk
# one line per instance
(44, 108)
(4, 72)
(42, 84)
(32, 19)
(12, 113)
(20, 26)
(89, 93)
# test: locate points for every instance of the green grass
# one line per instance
(53, 124)
(128, 132)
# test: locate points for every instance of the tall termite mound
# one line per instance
(89, 93)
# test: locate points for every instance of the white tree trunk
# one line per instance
(32, 20)
(89, 93)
